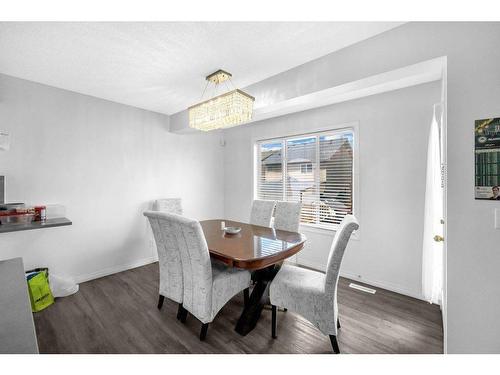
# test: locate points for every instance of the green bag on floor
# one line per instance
(39, 289)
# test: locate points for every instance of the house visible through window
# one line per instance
(315, 169)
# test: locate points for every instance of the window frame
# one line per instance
(307, 169)
(339, 128)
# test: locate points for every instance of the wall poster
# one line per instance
(487, 154)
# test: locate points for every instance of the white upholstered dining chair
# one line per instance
(170, 205)
(208, 285)
(287, 216)
(169, 258)
(262, 213)
(313, 294)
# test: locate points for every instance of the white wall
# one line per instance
(393, 129)
(473, 76)
(105, 162)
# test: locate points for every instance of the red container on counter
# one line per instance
(40, 213)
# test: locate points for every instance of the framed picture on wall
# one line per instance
(487, 154)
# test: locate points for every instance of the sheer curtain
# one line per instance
(432, 267)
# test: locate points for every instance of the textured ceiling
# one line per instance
(161, 66)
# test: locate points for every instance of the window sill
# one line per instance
(325, 231)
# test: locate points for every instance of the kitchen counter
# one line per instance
(17, 330)
(49, 223)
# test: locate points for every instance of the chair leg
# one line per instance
(335, 344)
(203, 332)
(184, 315)
(160, 302)
(273, 324)
(180, 311)
(246, 296)
(338, 323)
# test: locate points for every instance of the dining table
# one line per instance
(261, 250)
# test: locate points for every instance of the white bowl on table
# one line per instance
(232, 230)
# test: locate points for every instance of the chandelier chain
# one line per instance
(205, 89)
(232, 84)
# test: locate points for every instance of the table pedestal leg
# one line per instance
(251, 312)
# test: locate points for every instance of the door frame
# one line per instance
(444, 153)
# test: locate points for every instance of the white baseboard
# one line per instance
(313, 265)
(383, 284)
(115, 269)
(376, 283)
(142, 262)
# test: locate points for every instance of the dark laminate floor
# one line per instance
(118, 314)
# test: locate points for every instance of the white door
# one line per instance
(433, 236)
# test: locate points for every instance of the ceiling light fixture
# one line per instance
(229, 109)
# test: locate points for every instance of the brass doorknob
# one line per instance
(438, 238)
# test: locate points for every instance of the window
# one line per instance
(306, 168)
(315, 169)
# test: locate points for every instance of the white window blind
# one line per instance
(315, 169)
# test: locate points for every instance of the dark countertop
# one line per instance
(49, 223)
(17, 330)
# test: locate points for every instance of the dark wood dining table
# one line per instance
(257, 249)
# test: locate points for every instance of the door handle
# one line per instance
(438, 238)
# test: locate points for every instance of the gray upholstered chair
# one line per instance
(287, 216)
(170, 205)
(313, 294)
(262, 213)
(169, 257)
(208, 286)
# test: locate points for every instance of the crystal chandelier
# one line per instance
(223, 111)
